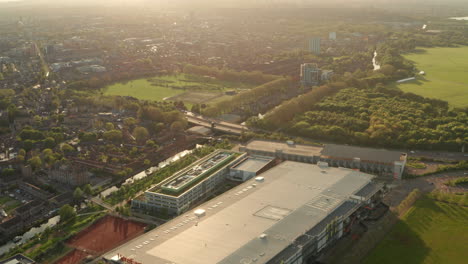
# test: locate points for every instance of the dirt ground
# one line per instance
(105, 234)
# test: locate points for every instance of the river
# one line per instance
(374, 62)
(459, 18)
(30, 234)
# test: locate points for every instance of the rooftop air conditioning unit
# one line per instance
(199, 212)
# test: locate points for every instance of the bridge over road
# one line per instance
(215, 124)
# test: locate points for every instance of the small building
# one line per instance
(18, 259)
(249, 167)
(326, 75)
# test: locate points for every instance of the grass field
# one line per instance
(183, 87)
(446, 75)
(431, 232)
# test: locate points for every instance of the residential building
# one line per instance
(69, 174)
(310, 74)
(11, 226)
(314, 45)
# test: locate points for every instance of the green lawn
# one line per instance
(5, 199)
(446, 75)
(431, 232)
(165, 87)
(11, 205)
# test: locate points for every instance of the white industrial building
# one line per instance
(376, 161)
(288, 214)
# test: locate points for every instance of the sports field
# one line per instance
(446, 75)
(180, 87)
(431, 232)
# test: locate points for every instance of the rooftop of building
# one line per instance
(290, 199)
(369, 154)
(18, 259)
(196, 172)
(329, 150)
(252, 164)
(288, 148)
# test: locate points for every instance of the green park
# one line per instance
(446, 75)
(430, 232)
(180, 87)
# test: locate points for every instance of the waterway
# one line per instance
(30, 234)
(374, 62)
(459, 18)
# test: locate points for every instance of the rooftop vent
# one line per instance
(199, 212)
(322, 164)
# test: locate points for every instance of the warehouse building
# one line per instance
(288, 214)
(376, 161)
(189, 186)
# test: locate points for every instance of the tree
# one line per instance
(78, 194)
(88, 137)
(151, 113)
(87, 189)
(151, 144)
(109, 126)
(156, 128)
(177, 127)
(49, 142)
(113, 135)
(141, 134)
(67, 213)
(66, 148)
(130, 121)
(195, 108)
(146, 162)
(35, 162)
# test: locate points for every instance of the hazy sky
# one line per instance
(182, 3)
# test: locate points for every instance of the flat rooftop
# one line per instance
(252, 164)
(295, 149)
(369, 154)
(293, 198)
(18, 259)
(197, 171)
